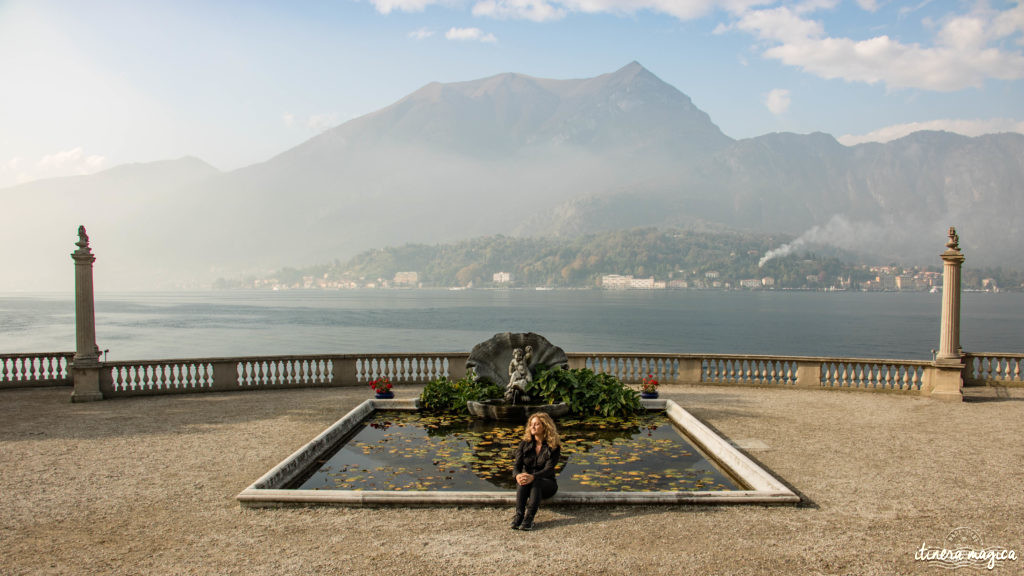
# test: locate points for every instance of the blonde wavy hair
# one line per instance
(550, 433)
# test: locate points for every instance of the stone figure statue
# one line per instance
(506, 361)
(954, 239)
(83, 238)
(519, 376)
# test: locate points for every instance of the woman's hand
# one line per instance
(523, 479)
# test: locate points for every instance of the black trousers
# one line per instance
(531, 494)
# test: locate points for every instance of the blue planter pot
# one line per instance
(648, 395)
(384, 395)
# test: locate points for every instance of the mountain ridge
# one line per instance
(514, 154)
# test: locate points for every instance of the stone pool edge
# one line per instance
(765, 488)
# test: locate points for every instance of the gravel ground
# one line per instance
(148, 485)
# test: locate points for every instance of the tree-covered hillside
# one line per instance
(694, 259)
(561, 262)
(568, 262)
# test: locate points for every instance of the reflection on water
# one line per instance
(398, 450)
(253, 323)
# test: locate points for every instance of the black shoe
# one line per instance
(527, 525)
(516, 521)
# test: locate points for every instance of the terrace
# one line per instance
(148, 485)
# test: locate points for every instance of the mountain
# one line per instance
(889, 201)
(125, 210)
(452, 161)
(629, 111)
(517, 155)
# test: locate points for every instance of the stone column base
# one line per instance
(947, 381)
(87, 385)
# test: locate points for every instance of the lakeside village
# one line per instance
(872, 279)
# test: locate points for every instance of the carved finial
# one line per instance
(83, 238)
(84, 253)
(954, 240)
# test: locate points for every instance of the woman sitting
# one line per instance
(534, 472)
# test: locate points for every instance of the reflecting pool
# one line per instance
(412, 451)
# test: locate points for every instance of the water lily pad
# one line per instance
(429, 452)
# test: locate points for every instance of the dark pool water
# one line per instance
(405, 450)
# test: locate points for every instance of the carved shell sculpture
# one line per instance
(490, 359)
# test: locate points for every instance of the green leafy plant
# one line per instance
(586, 392)
(444, 395)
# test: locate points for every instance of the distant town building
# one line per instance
(616, 281)
(502, 277)
(886, 281)
(750, 283)
(711, 275)
(905, 283)
(641, 283)
(620, 282)
(406, 278)
(768, 281)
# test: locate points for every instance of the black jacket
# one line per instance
(540, 465)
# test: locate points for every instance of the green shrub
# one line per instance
(444, 395)
(586, 392)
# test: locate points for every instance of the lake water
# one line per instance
(251, 323)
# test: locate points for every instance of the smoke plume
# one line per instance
(870, 237)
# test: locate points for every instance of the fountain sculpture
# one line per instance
(520, 353)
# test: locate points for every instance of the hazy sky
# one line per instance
(87, 85)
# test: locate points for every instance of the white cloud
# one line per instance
(777, 101)
(907, 10)
(74, 162)
(313, 122)
(869, 5)
(964, 127)
(780, 24)
(473, 34)
(13, 172)
(967, 49)
(544, 10)
(963, 55)
(421, 34)
(387, 6)
(320, 122)
(1009, 23)
(536, 10)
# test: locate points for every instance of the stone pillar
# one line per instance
(949, 362)
(949, 336)
(808, 374)
(86, 364)
(690, 371)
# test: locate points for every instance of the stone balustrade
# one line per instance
(227, 374)
(987, 368)
(754, 370)
(36, 369)
(142, 377)
(875, 374)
